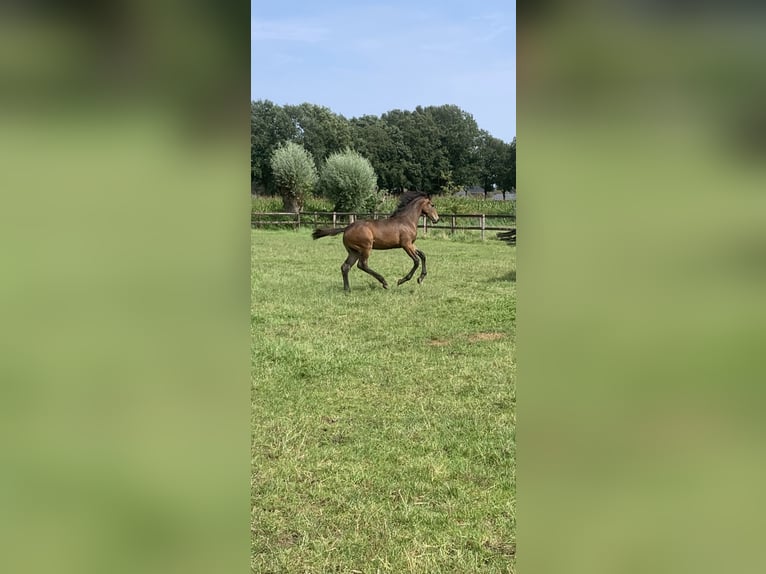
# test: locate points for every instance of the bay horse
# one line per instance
(400, 229)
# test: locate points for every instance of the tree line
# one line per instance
(438, 149)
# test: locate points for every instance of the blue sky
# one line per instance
(361, 58)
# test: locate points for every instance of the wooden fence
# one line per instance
(447, 221)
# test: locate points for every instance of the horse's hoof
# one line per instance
(400, 282)
(385, 285)
(420, 280)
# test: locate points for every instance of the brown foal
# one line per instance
(398, 230)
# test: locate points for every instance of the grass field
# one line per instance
(383, 421)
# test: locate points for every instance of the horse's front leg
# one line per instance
(415, 262)
(423, 271)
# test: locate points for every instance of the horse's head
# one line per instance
(429, 210)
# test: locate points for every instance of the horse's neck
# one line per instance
(411, 213)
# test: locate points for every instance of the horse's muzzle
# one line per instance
(434, 219)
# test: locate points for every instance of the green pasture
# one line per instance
(383, 421)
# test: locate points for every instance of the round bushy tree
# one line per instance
(348, 179)
(295, 174)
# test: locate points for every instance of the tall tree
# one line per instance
(459, 136)
(319, 130)
(497, 163)
(428, 167)
(383, 144)
(491, 155)
(507, 173)
(442, 141)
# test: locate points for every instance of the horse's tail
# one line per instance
(327, 231)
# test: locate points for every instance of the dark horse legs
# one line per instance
(352, 258)
(423, 273)
(411, 251)
(348, 264)
(364, 267)
(414, 254)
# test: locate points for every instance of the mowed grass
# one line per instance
(383, 421)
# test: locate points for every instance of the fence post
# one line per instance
(452, 225)
(298, 220)
(334, 217)
(483, 225)
(352, 217)
(425, 220)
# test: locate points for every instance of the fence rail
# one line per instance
(447, 221)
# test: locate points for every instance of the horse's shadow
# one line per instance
(363, 288)
(372, 286)
(510, 276)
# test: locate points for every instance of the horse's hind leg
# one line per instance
(348, 264)
(364, 267)
(423, 272)
(415, 262)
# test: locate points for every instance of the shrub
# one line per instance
(295, 174)
(349, 181)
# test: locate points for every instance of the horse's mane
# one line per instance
(406, 198)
